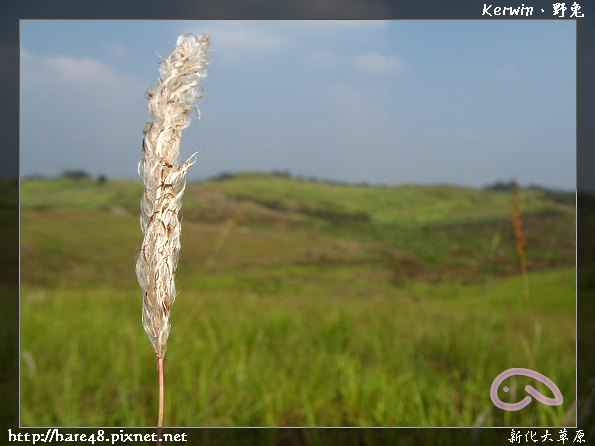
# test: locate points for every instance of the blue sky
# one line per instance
(383, 102)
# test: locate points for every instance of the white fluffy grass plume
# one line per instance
(171, 101)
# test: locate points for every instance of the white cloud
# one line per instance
(116, 50)
(85, 69)
(81, 73)
(355, 102)
(231, 40)
(325, 58)
(509, 73)
(347, 96)
(369, 63)
(375, 63)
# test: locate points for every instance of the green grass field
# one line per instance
(300, 303)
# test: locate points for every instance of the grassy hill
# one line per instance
(301, 303)
(430, 232)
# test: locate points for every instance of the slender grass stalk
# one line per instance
(160, 378)
(171, 100)
(517, 224)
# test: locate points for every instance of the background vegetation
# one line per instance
(301, 302)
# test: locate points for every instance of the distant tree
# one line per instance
(281, 173)
(223, 176)
(102, 179)
(500, 186)
(75, 174)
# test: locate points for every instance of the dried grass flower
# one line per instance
(171, 101)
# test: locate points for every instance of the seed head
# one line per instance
(171, 100)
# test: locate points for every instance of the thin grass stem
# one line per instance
(161, 392)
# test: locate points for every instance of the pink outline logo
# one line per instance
(556, 401)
